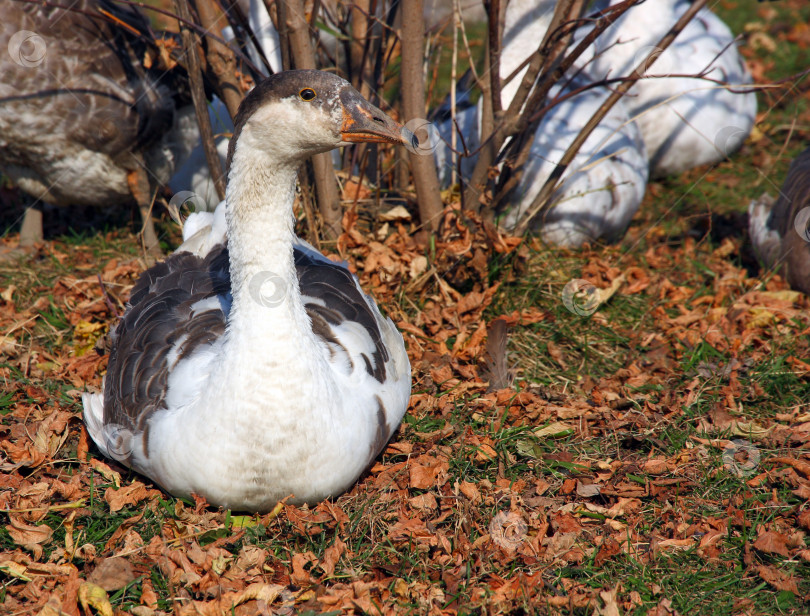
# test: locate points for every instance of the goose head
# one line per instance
(293, 115)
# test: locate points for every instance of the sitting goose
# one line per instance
(248, 367)
(685, 121)
(662, 126)
(780, 231)
(83, 120)
(601, 189)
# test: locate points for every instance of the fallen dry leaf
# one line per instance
(128, 495)
(112, 574)
(91, 595)
(778, 579)
(31, 537)
(772, 542)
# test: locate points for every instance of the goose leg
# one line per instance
(31, 230)
(141, 190)
(30, 235)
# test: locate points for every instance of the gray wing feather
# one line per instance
(160, 316)
(342, 300)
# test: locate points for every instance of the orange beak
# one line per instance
(364, 123)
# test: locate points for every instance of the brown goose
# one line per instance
(83, 121)
(249, 367)
(780, 231)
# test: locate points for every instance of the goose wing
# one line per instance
(177, 315)
(364, 348)
(177, 307)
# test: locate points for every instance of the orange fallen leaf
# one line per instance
(128, 495)
(773, 543)
(656, 466)
(27, 535)
(469, 490)
(777, 579)
(301, 576)
(112, 574)
(424, 474)
(331, 556)
(799, 465)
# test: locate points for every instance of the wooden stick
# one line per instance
(220, 58)
(426, 181)
(303, 56)
(191, 51)
(506, 127)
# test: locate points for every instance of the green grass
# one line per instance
(648, 420)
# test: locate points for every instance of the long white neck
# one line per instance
(260, 221)
(267, 326)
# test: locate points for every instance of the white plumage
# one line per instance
(602, 188)
(685, 121)
(662, 126)
(604, 185)
(259, 371)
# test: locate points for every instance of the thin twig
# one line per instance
(492, 143)
(198, 97)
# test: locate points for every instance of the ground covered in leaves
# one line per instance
(634, 442)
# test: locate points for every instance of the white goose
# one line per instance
(663, 126)
(250, 370)
(602, 188)
(685, 121)
(604, 185)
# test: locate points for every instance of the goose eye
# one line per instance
(307, 94)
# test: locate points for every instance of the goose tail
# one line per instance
(94, 417)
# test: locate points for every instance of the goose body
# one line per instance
(685, 121)
(780, 230)
(82, 121)
(602, 188)
(662, 126)
(248, 367)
